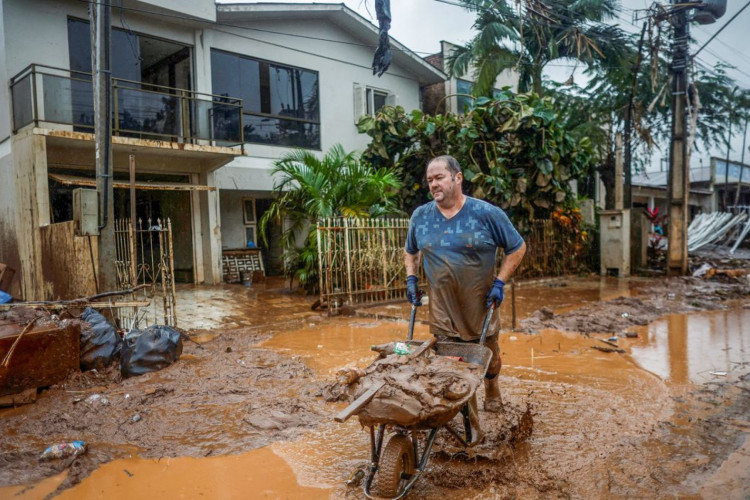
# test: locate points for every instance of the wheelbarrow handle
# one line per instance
(486, 325)
(413, 315)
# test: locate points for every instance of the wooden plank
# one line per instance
(66, 262)
(81, 305)
(358, 403)
(72, 180)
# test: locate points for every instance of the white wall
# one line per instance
(5, 121)
(36, 31)
(203, 9)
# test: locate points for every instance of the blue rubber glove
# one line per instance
(412, 290)
(496, 293)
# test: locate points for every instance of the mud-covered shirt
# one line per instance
(459, 257)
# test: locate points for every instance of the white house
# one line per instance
(205, 98)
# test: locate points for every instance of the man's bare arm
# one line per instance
(411, 261)
(510, 263)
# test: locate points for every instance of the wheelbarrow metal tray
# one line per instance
(468, 352)
(390, 409)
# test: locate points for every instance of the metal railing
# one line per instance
(48, 95)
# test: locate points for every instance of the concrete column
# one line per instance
(211, 231)
(30, 172)
(618, 173)
(195, 219)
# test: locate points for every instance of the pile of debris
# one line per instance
(408, 390)
(39, 349)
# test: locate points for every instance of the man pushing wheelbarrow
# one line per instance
(458, 237)
(415, 389)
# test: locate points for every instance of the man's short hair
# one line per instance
(451, 163)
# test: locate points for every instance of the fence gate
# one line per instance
(144, 256)
(361, 260)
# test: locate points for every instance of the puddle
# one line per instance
(697, 347)
(333, 343)
(560, 295)
(260, 473)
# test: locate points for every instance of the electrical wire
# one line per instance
(722, 28)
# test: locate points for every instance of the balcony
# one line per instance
(56, 98)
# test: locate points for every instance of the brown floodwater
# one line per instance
(581, 397)
(695, 348)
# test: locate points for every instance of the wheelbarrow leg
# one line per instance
(472, 426)
(376, 445)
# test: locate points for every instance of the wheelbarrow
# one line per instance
(401, 461)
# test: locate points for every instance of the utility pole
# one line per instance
(742, 164)
(679, 182)
(730, 105)
(628, 124)
(101, 28)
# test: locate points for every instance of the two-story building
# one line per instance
(204, 99)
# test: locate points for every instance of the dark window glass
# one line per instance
(249, 84)
(224, 74)
(280, 103)
(464, 101)
(125, 51)
(293, 133)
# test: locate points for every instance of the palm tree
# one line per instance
(309, 188)
(535, 33)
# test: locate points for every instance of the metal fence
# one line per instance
(361, 260)
(144, 256)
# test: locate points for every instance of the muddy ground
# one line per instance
(603, 427)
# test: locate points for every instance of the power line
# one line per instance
(248, 28)
(722, 28)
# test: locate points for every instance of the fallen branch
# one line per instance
(608, 349)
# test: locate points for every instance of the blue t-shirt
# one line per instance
(459, 257)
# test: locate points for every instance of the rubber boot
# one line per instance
(493, 401)
(476, 428)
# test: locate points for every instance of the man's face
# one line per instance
(444, 187)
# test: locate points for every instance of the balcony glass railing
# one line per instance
(47, 95)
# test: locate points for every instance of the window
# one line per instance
(369, 100)
(280, 103)
(376, 99)
(248, 210)
(248, 218)
(464, 101)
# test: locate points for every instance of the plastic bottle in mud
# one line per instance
(64, 450)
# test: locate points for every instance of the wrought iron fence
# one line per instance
(361, 260)
(49, 95)
(144, 256)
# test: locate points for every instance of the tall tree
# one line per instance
(530, 34)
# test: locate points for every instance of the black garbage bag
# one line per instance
(149, 350)
(100, 342)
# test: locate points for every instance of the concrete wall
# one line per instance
(5, 121)
(42, 37)
(203, 9)
(8, 206)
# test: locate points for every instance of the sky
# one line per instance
(422, 24)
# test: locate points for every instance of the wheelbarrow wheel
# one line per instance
(396, 466)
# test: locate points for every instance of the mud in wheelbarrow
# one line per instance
(396, 465)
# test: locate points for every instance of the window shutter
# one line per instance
(359, 102)
(390, 100)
